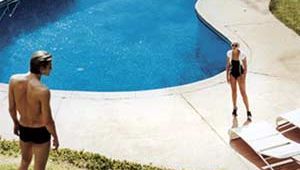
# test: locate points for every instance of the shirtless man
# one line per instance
(31, 99)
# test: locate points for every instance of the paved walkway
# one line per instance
(186, 127)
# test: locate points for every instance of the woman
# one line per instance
(236, 70)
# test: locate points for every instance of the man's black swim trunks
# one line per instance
(35, 135)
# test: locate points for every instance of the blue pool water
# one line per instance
(112, 45)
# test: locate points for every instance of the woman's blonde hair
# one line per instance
(235, 44)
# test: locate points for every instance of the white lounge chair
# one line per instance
(268, 143)
(291, 119)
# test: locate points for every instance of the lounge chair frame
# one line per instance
(261, 143)
(290, 119)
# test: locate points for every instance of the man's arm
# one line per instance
(12, 106)
(47, 116)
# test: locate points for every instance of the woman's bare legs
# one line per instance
(242, 86)
(233, 90)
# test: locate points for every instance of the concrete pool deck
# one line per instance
(186, 127)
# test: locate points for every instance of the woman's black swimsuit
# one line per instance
(35, 135)
(236, 69)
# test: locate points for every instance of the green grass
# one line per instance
(78, 159)
(13, 163)
(8, 167)
(288, 11)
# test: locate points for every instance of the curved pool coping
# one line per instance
(195, 86)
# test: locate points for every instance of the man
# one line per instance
(31, 99)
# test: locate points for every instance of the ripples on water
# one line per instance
(112, 45)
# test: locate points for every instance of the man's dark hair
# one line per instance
(39, 59)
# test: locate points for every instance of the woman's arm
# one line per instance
(228, 69)
(245, 65)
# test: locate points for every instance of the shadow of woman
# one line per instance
(30, 15)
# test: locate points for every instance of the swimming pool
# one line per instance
(112, 45)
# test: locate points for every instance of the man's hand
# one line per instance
(55, 143)
(17, 129)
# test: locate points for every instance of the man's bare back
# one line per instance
(28, 92)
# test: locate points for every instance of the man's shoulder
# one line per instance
(17, 78)
(43, 90)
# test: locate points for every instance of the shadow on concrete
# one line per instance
(249, 154)
(293, 134)
(30, 15)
